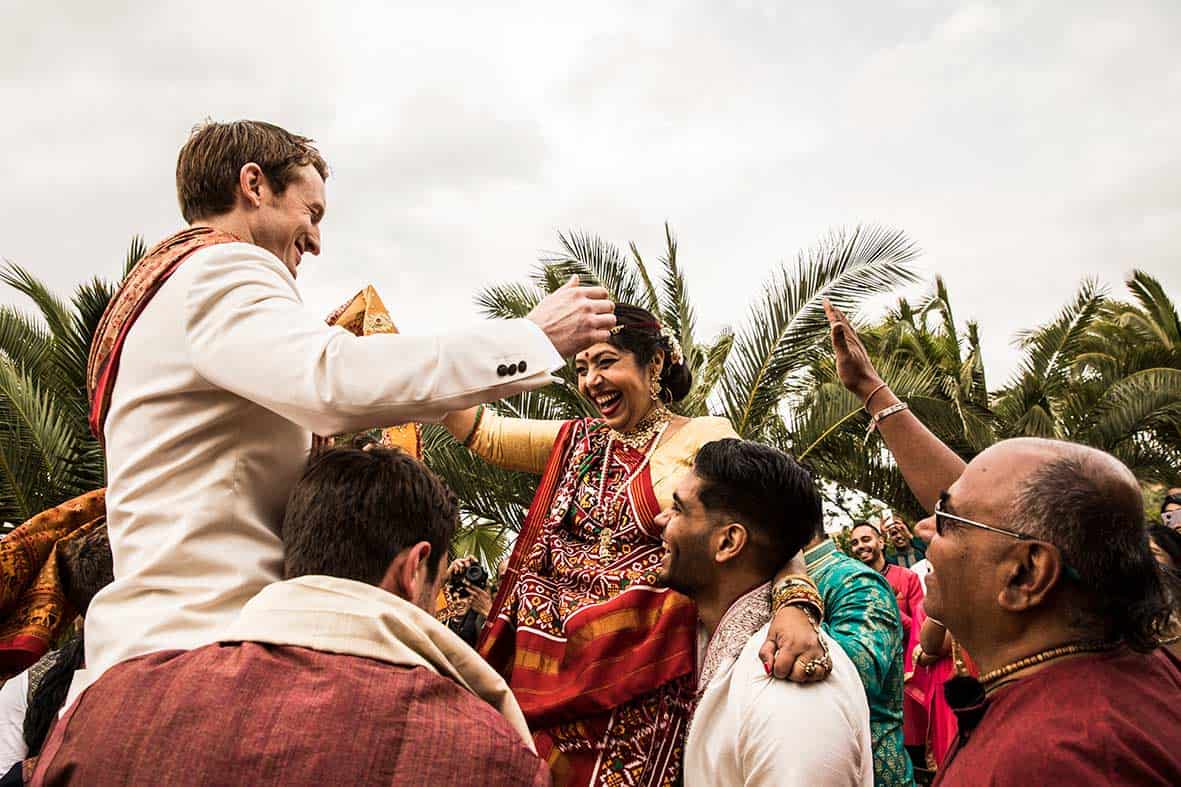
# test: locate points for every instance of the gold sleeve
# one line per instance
(522, 444)
(674, 458)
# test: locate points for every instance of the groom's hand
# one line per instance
(575, 317)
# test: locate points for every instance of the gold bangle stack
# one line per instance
(798, 590)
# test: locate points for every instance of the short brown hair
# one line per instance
(208, 165)
(354, 511)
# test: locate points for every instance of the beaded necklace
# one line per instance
(1091, 646)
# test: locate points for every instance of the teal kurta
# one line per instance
(861, 613)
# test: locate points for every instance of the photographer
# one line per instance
(468, 598)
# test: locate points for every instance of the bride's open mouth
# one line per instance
(608, 403)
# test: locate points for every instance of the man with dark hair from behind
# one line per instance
(736, 519)
(1040, 566)
(861, 614)
(337, 675)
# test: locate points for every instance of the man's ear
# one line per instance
(407, 572)
(251, 183)
(730, 539)
(1031, 570)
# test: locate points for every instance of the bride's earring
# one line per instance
(654, 387)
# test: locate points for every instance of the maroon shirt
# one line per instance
(1111, 718)
(248, 713)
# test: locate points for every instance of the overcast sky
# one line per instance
(1021, 145)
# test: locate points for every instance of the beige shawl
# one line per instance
(342, 616)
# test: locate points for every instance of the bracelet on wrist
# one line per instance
(882, 415)
(467, 441)
(798, 591)
(869, 398)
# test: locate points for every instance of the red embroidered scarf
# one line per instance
(144, 281)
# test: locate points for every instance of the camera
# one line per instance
(475, 575)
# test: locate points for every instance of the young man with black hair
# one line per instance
(337, 675)
(736, 518)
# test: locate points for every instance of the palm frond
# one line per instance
(707, 374)
(652, 300)
(53, 310)
(676, 310)
(1159, 308)
(24, 340)
(508, 301)
(847, 268)
(1133, 405)
(135, 252)
(596, 262)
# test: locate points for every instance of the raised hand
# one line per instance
(853, 365)
(575, 317)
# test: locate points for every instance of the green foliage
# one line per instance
(1102, 372)
(47, 454)
(743, 373)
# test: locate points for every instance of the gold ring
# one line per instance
(812, 665)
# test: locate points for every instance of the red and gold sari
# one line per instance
(600, 659)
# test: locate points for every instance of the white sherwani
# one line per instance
(223, 379)
(751, 729)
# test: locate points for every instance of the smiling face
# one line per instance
(618, 385)
(688, 564)
(898, 533)
(966, 570)
(288, 224)
(867, 545)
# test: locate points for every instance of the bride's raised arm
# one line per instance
(522, 444)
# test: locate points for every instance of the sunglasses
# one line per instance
(940, 526)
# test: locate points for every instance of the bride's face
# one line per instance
(617, 385)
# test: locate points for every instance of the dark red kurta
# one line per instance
(1113, 718)
(262, 714)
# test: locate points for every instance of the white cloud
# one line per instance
(1023, 145)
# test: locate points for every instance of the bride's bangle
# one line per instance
(797, 590)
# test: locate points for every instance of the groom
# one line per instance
(208, 377)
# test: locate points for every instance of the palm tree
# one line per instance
(1106, 374)
(47, 454)
(744, 374)
(1102, 372)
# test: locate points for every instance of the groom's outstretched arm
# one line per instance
(249, 333)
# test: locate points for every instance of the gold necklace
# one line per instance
(644, 430)
(1091, 646)
(647, 433)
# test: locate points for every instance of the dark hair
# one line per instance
(1095, 517)
(863, 523)
(85, 566)
(1172, 495)
(764, 489)
(353, 511)
(640, 336)
(49, 695)
(208, 166)
(1169, 540)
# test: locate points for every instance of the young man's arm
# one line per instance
(805, 735)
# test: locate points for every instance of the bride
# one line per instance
(601, 660)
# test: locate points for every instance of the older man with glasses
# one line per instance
(1041, 567)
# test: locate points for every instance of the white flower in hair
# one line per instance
(675, 356)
